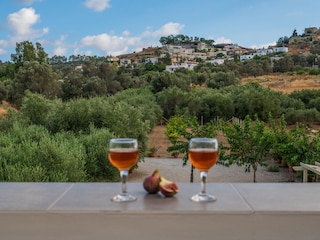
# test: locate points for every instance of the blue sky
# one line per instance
(114, 27)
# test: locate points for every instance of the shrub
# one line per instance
(32, 154)
(314, 71)
(97, 165)
(300, 146)
(302, 115)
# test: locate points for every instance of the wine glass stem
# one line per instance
(203, 176)
(123, 176)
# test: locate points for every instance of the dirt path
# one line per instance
(159, 140)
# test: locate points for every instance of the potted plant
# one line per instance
(175, 154)
(152, 151)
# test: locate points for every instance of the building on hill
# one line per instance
(217, 61)
(189, 65)
(311, 31)
(310, 34)
(262, 52)
(185, 55)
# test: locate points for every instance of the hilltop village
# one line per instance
(189, 53)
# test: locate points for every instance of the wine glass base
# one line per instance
(123, 197)
(203, 197)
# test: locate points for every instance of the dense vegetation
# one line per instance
(68, 112)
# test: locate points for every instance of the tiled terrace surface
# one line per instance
(84, 211)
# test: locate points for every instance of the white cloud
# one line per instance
(3, 43)
(111, 44)
(59, 51)
(222, 40)
(97, 5)
(60, 48)
(126, 33)
(21, 24)
(3, 52)
(167, 29)
(263, 45)
(78, 51)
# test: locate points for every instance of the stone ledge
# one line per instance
(231, 197)
(43, 211)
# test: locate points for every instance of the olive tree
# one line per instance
(252, 99)
(222, 79)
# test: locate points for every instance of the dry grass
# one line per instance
(286, 83)
(4, 106)
(3, 111)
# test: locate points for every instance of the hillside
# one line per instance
(286, 83)
(278, 82)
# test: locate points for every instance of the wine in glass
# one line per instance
(123, 154)
(203, 153)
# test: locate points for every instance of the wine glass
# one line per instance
(203, 153)
(123, 154)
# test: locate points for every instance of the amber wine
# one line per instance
(123, 158)
(203, 159)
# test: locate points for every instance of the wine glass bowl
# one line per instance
(203, 154)
(123, 154)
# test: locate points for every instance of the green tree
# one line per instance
(72, 83)
(296, 145)
(282, 41)
(26, 51)
(6, 89)
(294, 33)
(251, 99)
(181, 129)
(222, 79)
(174, 100)
(56, 60)
(315, 48)
(250, 143)
(166, 59)
(89, 69)
(256, 67)
(213, 104)
(315, 103)
(7, 71)
(93, 87)
(302, 115)
(305, 95)
(284, 64)
(37, 78)
(161, 81)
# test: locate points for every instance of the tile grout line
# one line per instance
(243, 199)
(60, 197)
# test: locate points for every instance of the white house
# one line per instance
(216, 61)
(280, 49)
(188, 65)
